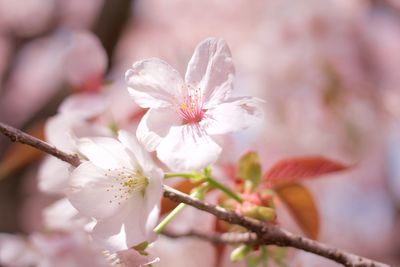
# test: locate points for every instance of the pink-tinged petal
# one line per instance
(154, 84)
(237, 114)
(84, 105)
(53, 176)
(93, 192)
(188, 147)
(124, 229)
(104, 152)
(155, 125)
(211, 70)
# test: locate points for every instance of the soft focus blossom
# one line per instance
(46, 250)
(185, 116)
(120, 187)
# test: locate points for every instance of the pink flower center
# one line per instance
(191, 109)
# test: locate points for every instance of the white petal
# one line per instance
(238, 114)
(211, 69)
(153, 83)
(104, 152)
(155, 125)
(188, 147)
(154, 193)
(53, 176)
(141, 156)
(125, 229)
(92, 192)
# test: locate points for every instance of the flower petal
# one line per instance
(104, 152)
(92, 192)
(125, 229)
(237, 114)
(155, 125)
(137, 152)
(154, 193)
(53, 176)
(153, 83)
(211, 69)
(188, 147)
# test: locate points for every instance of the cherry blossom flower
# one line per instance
(185, 117)
(120, 187)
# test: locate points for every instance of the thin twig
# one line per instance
(265, 233)
(225, 238)
(16, 135)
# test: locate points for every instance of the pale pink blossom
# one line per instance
(85, 60)
(120, 187)
(46, 250)
(186, 116)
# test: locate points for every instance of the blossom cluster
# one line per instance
(109, 205)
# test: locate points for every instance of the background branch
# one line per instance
(260, 233)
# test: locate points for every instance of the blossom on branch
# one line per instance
(120, 187)
(186, 116)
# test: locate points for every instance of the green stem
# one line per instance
(214, 183)
(160, 227)
(183, 175)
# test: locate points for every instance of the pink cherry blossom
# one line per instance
(186, 116)
(120, 187)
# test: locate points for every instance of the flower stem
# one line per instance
(214, 183)
(160, 227)
(183, 175)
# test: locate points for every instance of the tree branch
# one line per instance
(225, 238)
(16, 135)
(260, 233)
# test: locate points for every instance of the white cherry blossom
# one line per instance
(120, 187)
(186, 116)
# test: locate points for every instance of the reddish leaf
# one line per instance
(301, 205)
(19, 155)
(296, 169)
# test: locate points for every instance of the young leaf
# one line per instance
(302, 206)
(296, 169)
(250, 168)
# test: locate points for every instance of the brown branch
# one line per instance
(225, 238)
(269, 234)
(16, 135)
(266, 234)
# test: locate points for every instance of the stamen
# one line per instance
(191, 110)
(126, 184)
